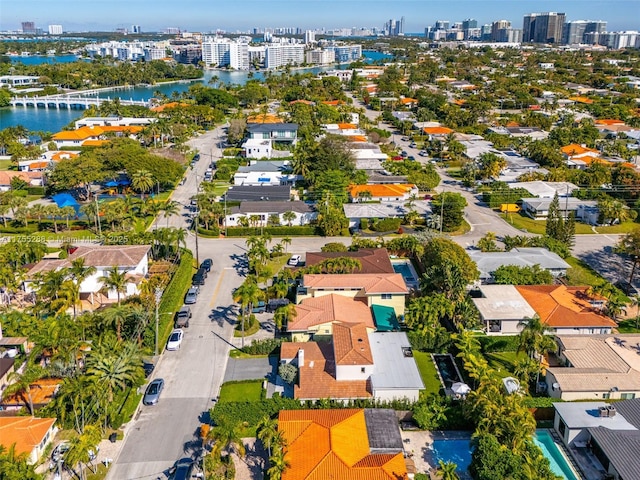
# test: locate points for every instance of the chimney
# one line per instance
(300, 358)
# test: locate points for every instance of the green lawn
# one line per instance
(245, 391)
(427, 372)
(503, 362)
(216, 187)
(464, 228)
(277, 263)
(5, 164)
(527, 224)
(581, 274)
(624, 227)
(628, 326)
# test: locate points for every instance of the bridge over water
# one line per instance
(67, 101)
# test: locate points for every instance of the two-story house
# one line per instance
(261, 136)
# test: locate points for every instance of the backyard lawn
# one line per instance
(427, 372)
(277, 263)
(503, 362)
(5, 164)
(628, 326)
(527, 224)
(624, 227)
(244, 391)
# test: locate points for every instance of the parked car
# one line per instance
(182, 317)
(192, 296)
(196, 157)
(404, 154)
(63, 447)
(411, 157)
(276, 303)
(259, 307)
(197, 279)
(175, 339)
(207, 263)
(152, 394)
(203, 271)
(422, 153)
(295, 260)
(182, 470)
(148, 368)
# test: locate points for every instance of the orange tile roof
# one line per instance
(6, 176)
(316, 311)
(351, 344)
(371, 88)
(334, 444)
(82, 133)
(406, 101)
(560, 306)
(317, 377)
(382, 190)
(609, 121)
(94, 143)
(581, 100)
(164, 106)
(25, 432)
(306, 102)
(357, 138)
(265, 118)
(130, 129)
(37, 165)
(42, 392)
(576, 149)
(333, 102)
(460, 102)
(56, 157)
(437, 130)
(347, 126)
(371, 283)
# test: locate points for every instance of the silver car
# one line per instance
(154, 389)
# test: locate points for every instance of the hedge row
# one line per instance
(35, 190)
(274, 231)
(22, 230)
(495, 198)
(211, 233)
(267, 346)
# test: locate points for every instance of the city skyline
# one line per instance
(201, 15)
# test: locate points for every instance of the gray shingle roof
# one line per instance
(273, 207)
(621, 448)
(489, 262)
(259, 193)
(630, 410)
(271, 127)
(382, 430)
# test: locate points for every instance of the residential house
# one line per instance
(567, 310)
(368, 156)
(541, 189)
(278, 132)
(579, 156)
(372, 260)
(47, 160)
(33, 179)
(249, 193)
(92, 135)
(347, 444)
(538, 208)
(30, 435)
(43, 391)
(385, 289)
(489, 262)
(133, 260)
(606, 435)
(437, 133)
(273, 173)
(6, 369)
(257, 148)
(382, 192)
(533, 133)
(356, 364)
(316, 316)
(261, 212)
(502, 309)
(114, 121)
(355, 212)
(596, 367)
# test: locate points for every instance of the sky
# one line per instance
(232, 15)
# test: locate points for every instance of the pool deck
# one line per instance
(417, 445)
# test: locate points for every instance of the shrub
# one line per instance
(212, 232)
(506, 343)
(20, 193)
(334, 247)
(288, 372)
(267, 346)
(23, 230)
(387, 225)
(35, 190)
(275, 231)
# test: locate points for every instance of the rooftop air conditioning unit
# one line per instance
(611, 410)
(603, 411)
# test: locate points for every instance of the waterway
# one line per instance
(51, 120)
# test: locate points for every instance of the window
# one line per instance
(627, 396)
(385, 296)
(606, 396)
(362, 370)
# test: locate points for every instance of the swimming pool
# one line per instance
(447, 368)
(559, 465)
(404, 268)
(459, 452)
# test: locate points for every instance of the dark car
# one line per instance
(196, 157)
(207, 263)
(152, 394)
(198, 279)
(182, 470)
(259, 307)
(182, 317)
(148, 368)
(202, 271)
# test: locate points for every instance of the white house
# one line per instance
(489, 262)
(538, 208)
(262, 211)
(133, 260)
(502, 309)
(114, 121)
(274, 172)
(257, 148)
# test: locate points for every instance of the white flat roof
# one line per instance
(392, 368)
(586, 415)
(502, 302)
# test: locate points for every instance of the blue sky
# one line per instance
(230, 15)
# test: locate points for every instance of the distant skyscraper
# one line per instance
(442, 25)
(173, 30)
(136, 29)
(497, 30)
(394, 27)
(469, 23)
(543, 27)
(55, 29)
(28, 27)
(574, 32)
(309, 36)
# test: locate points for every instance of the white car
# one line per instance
(294, 260)
(175, 339)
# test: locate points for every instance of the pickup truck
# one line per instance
(182, 317)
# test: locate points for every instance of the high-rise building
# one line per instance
(309, 36)
(222, 52)
(136, 29)
(55, 29)
(28, 27)
(320, 56)
(574, 32)
(173, 30)
(469, 23)
(394, 27)
(497, 30)
(543, 27)
(442, 25)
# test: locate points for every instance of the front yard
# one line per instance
(242, 391)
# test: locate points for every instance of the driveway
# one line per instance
(249, 368)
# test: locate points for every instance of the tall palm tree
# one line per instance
(115, 280)
(286, 241)
(80, 448)
(533, 340)
(267, 429)
(79, 272)
(38, 211)
(247, 295)
(169, 208)
(116, 316)
(142, 181)
(289, 217)
(67, 213)
(114, 370)
(54, 212)
(21, 383)
(226, 437)
(284, 314)
(278, 464)
(69, 296)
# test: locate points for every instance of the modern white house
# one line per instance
(114, 121)
(262, 211)
(357, 211)
(133, 260)
(538, 208)
(489, 262)
(272, 172)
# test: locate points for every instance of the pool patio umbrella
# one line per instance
(460, 388)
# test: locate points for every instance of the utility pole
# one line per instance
(442, 210)
(98, 216)
(158, 297)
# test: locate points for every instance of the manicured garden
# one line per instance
(243, 391)
(428, 372)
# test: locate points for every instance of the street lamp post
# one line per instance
(158, 297)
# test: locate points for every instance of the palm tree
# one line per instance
(21, 383)
(635, 301)
(54, 212)
(69, 295)
(80, 448)
(267, 429)
(38, 211)
(67, 213)
(50, 283)
(114, 370)
(115, 280)
(278, 463)
(226, 436)
(289, 217)
(284, 314)
(286, 241)
(116, 316)
(447, 470)
(534, 341)
(79, 273)
(247, 294)
(170, 208)
(142, 181)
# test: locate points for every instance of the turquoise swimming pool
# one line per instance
(459, 452)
